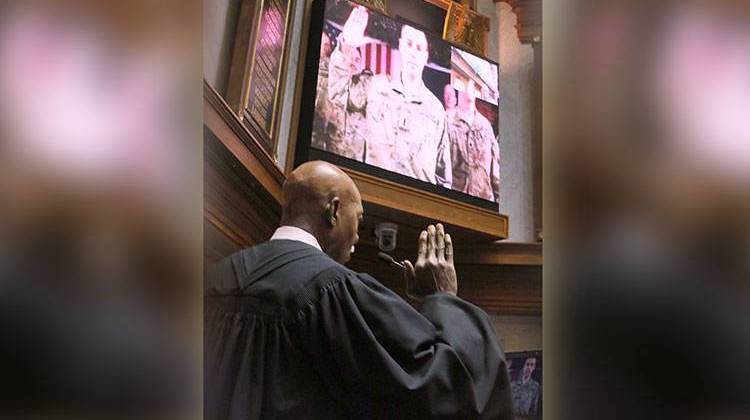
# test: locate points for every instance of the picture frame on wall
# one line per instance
(255, 90)
(381, 6)
(467, 28)
(525, 371)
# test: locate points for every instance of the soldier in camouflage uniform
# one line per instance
(322, 106)
(474, 149)
(404, 126)
(526, 392)
(347, 94)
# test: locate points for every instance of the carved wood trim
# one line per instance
(219, 118)
(445, 4)
(234, 202)
(243, 84)
(529, 19)
(525, 254)
(232, 234)
(411, 201)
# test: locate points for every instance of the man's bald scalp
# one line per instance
(308, 189)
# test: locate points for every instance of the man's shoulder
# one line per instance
(380, 84)
(483, 122)
(432, 102)
(293, 260)
(334, 276)
(452, 114)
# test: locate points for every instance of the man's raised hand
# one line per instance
(354, 28)
(434, 270)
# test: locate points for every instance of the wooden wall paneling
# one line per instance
(234, 201)
(242, 184)
(244, 145)
(216, 243)
(500, 278)
(508, 290)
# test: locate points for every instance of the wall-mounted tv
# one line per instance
(383, 97)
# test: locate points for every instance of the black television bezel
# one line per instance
(304, 152)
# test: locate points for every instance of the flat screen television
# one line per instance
(386, 98)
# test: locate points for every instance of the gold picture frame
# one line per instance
(377, 5)
(259, 62)
(466, 28)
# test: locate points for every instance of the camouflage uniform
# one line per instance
(525, 398)
(475, 153)
(403, 133)
(347, 94)
(322, 107)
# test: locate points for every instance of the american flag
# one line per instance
(379, 58)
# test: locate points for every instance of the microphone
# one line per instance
(409, 284)
(387, 258)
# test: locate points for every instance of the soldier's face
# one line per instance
(413, 49)
(449, 96)
(357, 63)
(467, 96)
(529, 366)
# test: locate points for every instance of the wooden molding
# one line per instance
(445, 4)
(499, 289)
(529, 22)
(501, 253)
(240, 64)
(247, 148)
(247, 56)
(389, 199)
(239, 209)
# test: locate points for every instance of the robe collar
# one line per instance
(296, 234)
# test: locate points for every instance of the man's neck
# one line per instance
(411, 82)
(298, 231)
(468, 112)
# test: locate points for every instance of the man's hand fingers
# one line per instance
(448, 249)
(422, 251)
(431, 241)
(361, 16)
(409, 272)
(440, 242)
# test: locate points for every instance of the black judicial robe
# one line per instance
(291, 334)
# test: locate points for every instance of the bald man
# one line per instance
(405, 122)
(291, 333)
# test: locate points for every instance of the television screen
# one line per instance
(391, 96)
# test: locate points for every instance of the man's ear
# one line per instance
(332, 211)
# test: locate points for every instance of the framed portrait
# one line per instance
(256, 80)
(525, 371)
(467, 28)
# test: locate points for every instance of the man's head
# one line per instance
(321, 199)
(413, 49)
(449, 96)
(357, 63)
(467, 97)
(528, 367)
